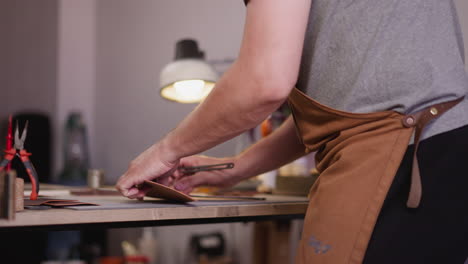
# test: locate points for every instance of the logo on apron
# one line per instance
(319, 247)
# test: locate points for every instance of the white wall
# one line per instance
(76, 82)
(28, 44)
(47, 62)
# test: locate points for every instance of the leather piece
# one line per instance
(420, 120)
(157, 190)
(66, 203)
(54, 202)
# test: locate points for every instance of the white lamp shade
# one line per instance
(187, 80)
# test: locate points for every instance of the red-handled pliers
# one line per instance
(18, 150)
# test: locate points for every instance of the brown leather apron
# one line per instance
(357, 156)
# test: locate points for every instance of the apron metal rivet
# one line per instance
(410, 120)
(434, 111)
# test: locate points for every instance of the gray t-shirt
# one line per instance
(373, 55)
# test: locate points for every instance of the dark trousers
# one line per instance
(437, 231)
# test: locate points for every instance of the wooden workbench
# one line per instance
(274, 207)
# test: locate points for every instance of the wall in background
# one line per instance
(135, 40)
(28, 57)
(76, 82)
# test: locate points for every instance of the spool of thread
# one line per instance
(95, 178)
(19, 194)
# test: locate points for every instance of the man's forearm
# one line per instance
(256, 84)
(226, 112)
(273, 151)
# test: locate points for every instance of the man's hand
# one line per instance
(154, 163)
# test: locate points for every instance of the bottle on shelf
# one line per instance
(76, 156)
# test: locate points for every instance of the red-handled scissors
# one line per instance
(19, 151)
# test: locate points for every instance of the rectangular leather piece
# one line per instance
(55, 202)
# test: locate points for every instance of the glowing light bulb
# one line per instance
(190, 89)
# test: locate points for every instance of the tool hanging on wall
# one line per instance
(9, 142)
(19, 151)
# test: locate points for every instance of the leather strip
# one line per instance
(420, 120)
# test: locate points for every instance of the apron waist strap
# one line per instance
(419, 120)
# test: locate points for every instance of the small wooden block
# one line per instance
(19, 194)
